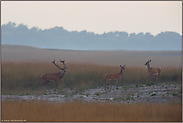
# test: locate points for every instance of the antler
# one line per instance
(63, 61)
(122, 66)
(57, 65)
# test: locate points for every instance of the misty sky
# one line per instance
(96, 16)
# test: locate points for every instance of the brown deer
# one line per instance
(114, 76)
(55, 77)
(153, 71)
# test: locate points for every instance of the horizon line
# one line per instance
(85, 49)
(42, 29)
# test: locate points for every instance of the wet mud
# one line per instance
(123, 94)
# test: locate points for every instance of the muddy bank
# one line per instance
(122, 94)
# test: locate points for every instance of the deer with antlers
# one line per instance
(114, 76)
(55, 77)
(153, 71)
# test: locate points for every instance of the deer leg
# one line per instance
(117, 83)
(44, 83)
(47, 88)
(150, 77)
(56, 84)
(160, 77)
(106, 83)
(110, 84)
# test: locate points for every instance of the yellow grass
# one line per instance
(130, 58)
(26, 76)
(78, 111)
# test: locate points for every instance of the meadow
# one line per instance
(14, 53)
(41, 111)
(22, 68)
(25, 77)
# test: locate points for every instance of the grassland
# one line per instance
(22, 68)
(161, 59)
(25, 77)
(79, 111)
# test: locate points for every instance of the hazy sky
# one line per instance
(96, 16)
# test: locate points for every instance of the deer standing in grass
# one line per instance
(153, 71)
(55, 77)
(114, 76)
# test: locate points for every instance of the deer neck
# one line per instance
(121, 72)
(61, 73)
(148, 67)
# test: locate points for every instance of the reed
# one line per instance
(26, 76)
(40, 111)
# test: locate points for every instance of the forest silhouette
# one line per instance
(60, 38)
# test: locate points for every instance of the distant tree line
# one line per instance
(59, 38)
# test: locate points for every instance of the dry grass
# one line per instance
(130, 58)
(77, 111)
(25, 77)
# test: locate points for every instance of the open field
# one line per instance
(82, 111)
(80, 95)
(25, 77)
(86, 82)
(161, 59)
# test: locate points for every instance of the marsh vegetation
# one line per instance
(25, 77)
(41, 111)
(80, 95)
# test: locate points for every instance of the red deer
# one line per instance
(114, 76)
(55, 77)
(153, 71)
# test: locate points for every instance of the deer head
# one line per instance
(147, 62)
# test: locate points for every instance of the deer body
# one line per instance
(55, 77)
(114, 76)
(52, 77)
(153, 71)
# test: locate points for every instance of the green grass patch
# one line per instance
(153, 94)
